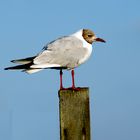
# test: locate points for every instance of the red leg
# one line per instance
(73, 82)
(61, 79)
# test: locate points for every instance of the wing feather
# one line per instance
(65, 52)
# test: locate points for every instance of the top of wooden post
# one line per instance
(70, 91)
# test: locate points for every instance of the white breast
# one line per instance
(86, 57)
(85, 45)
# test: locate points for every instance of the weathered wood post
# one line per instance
(74, 114)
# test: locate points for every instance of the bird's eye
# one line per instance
(90, 35)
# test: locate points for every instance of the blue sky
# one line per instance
(29, 103)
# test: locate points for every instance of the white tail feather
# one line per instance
(45, 66)
(30, 71)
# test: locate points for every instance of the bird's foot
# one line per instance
(71, 88)
(74, 88)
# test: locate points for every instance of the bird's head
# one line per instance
(90, 37)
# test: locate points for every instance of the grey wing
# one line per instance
(64, 52)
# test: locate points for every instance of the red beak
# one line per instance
(100, 40)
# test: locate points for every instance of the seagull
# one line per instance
(67, 52)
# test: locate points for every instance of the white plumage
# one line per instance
(66, 52)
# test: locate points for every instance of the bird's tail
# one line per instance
(19, 67)
(26, 63)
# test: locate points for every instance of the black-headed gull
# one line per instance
(67, 52)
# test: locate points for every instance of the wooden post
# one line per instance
(74, 114)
